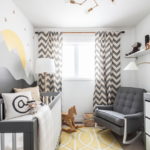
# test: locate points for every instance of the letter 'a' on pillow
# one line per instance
(16, 104)
(35, 92)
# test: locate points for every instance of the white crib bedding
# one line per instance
(19, 136)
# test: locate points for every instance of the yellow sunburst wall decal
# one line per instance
(13, 42)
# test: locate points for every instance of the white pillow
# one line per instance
(16, 104)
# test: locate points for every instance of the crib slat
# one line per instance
(1, 109)
(2, 141)
(0, 113)
(14, 144)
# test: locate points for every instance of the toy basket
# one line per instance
(89, 120)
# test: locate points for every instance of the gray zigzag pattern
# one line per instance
(50, 46)
(107, 67)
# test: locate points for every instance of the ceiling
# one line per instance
(60, 13)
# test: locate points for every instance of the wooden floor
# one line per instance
(137, 145)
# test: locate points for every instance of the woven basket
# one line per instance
(89, 120)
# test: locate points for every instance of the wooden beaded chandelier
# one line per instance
(84, 1)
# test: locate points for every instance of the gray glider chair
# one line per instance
(125, 116)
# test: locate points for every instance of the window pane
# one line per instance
(86, 60)
(78, 55)
(68, 60)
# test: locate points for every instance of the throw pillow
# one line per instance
(34, 92)
(16, 104)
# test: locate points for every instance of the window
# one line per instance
(78, 59)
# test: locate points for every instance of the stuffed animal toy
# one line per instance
(136, 48)
(33, 106)
(69, 120)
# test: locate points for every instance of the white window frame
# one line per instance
(75, 41)
(76, 67)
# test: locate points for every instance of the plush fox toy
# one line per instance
(68, 119)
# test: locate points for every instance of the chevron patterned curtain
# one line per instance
(50, 46)
(107, 67)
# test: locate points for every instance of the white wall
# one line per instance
(142, 29)
(11, 18)
(128, 78)
(80, 94)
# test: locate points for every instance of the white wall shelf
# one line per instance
(139, 53)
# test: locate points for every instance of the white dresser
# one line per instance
(147, 119)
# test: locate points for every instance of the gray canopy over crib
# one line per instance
(28, 128)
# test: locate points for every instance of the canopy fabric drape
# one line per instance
(50, 46)
(107, 67)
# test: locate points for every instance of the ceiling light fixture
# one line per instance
(84, 1)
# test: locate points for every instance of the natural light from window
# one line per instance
(78, 59)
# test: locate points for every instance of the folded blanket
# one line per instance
(46, 128)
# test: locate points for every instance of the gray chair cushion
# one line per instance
(102, 122)
(111, 116)
(129, 100)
